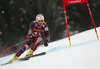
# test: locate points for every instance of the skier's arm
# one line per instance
(46, 30)
(31, 26)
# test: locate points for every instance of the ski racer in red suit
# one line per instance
(36, 29)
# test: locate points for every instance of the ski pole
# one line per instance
(13, 46)
(16, 45)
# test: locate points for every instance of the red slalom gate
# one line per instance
(71, 2)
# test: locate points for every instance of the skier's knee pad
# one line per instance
(26, 47)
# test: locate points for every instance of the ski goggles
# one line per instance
(40, 21)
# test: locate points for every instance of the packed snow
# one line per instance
(83, 54)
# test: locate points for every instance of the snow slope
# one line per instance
(84, 54)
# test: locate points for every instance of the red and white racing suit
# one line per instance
(36, 31)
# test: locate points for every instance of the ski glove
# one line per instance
(46, 43)
(29, 38)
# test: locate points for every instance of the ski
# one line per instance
(25, 58)
(6, 63)
(28, 57)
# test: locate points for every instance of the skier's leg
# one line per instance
(15, 57)
(37, 41)
(22, 50)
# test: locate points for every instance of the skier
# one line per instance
(36, 29)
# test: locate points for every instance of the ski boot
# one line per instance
(29, 53)
(13, 59)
